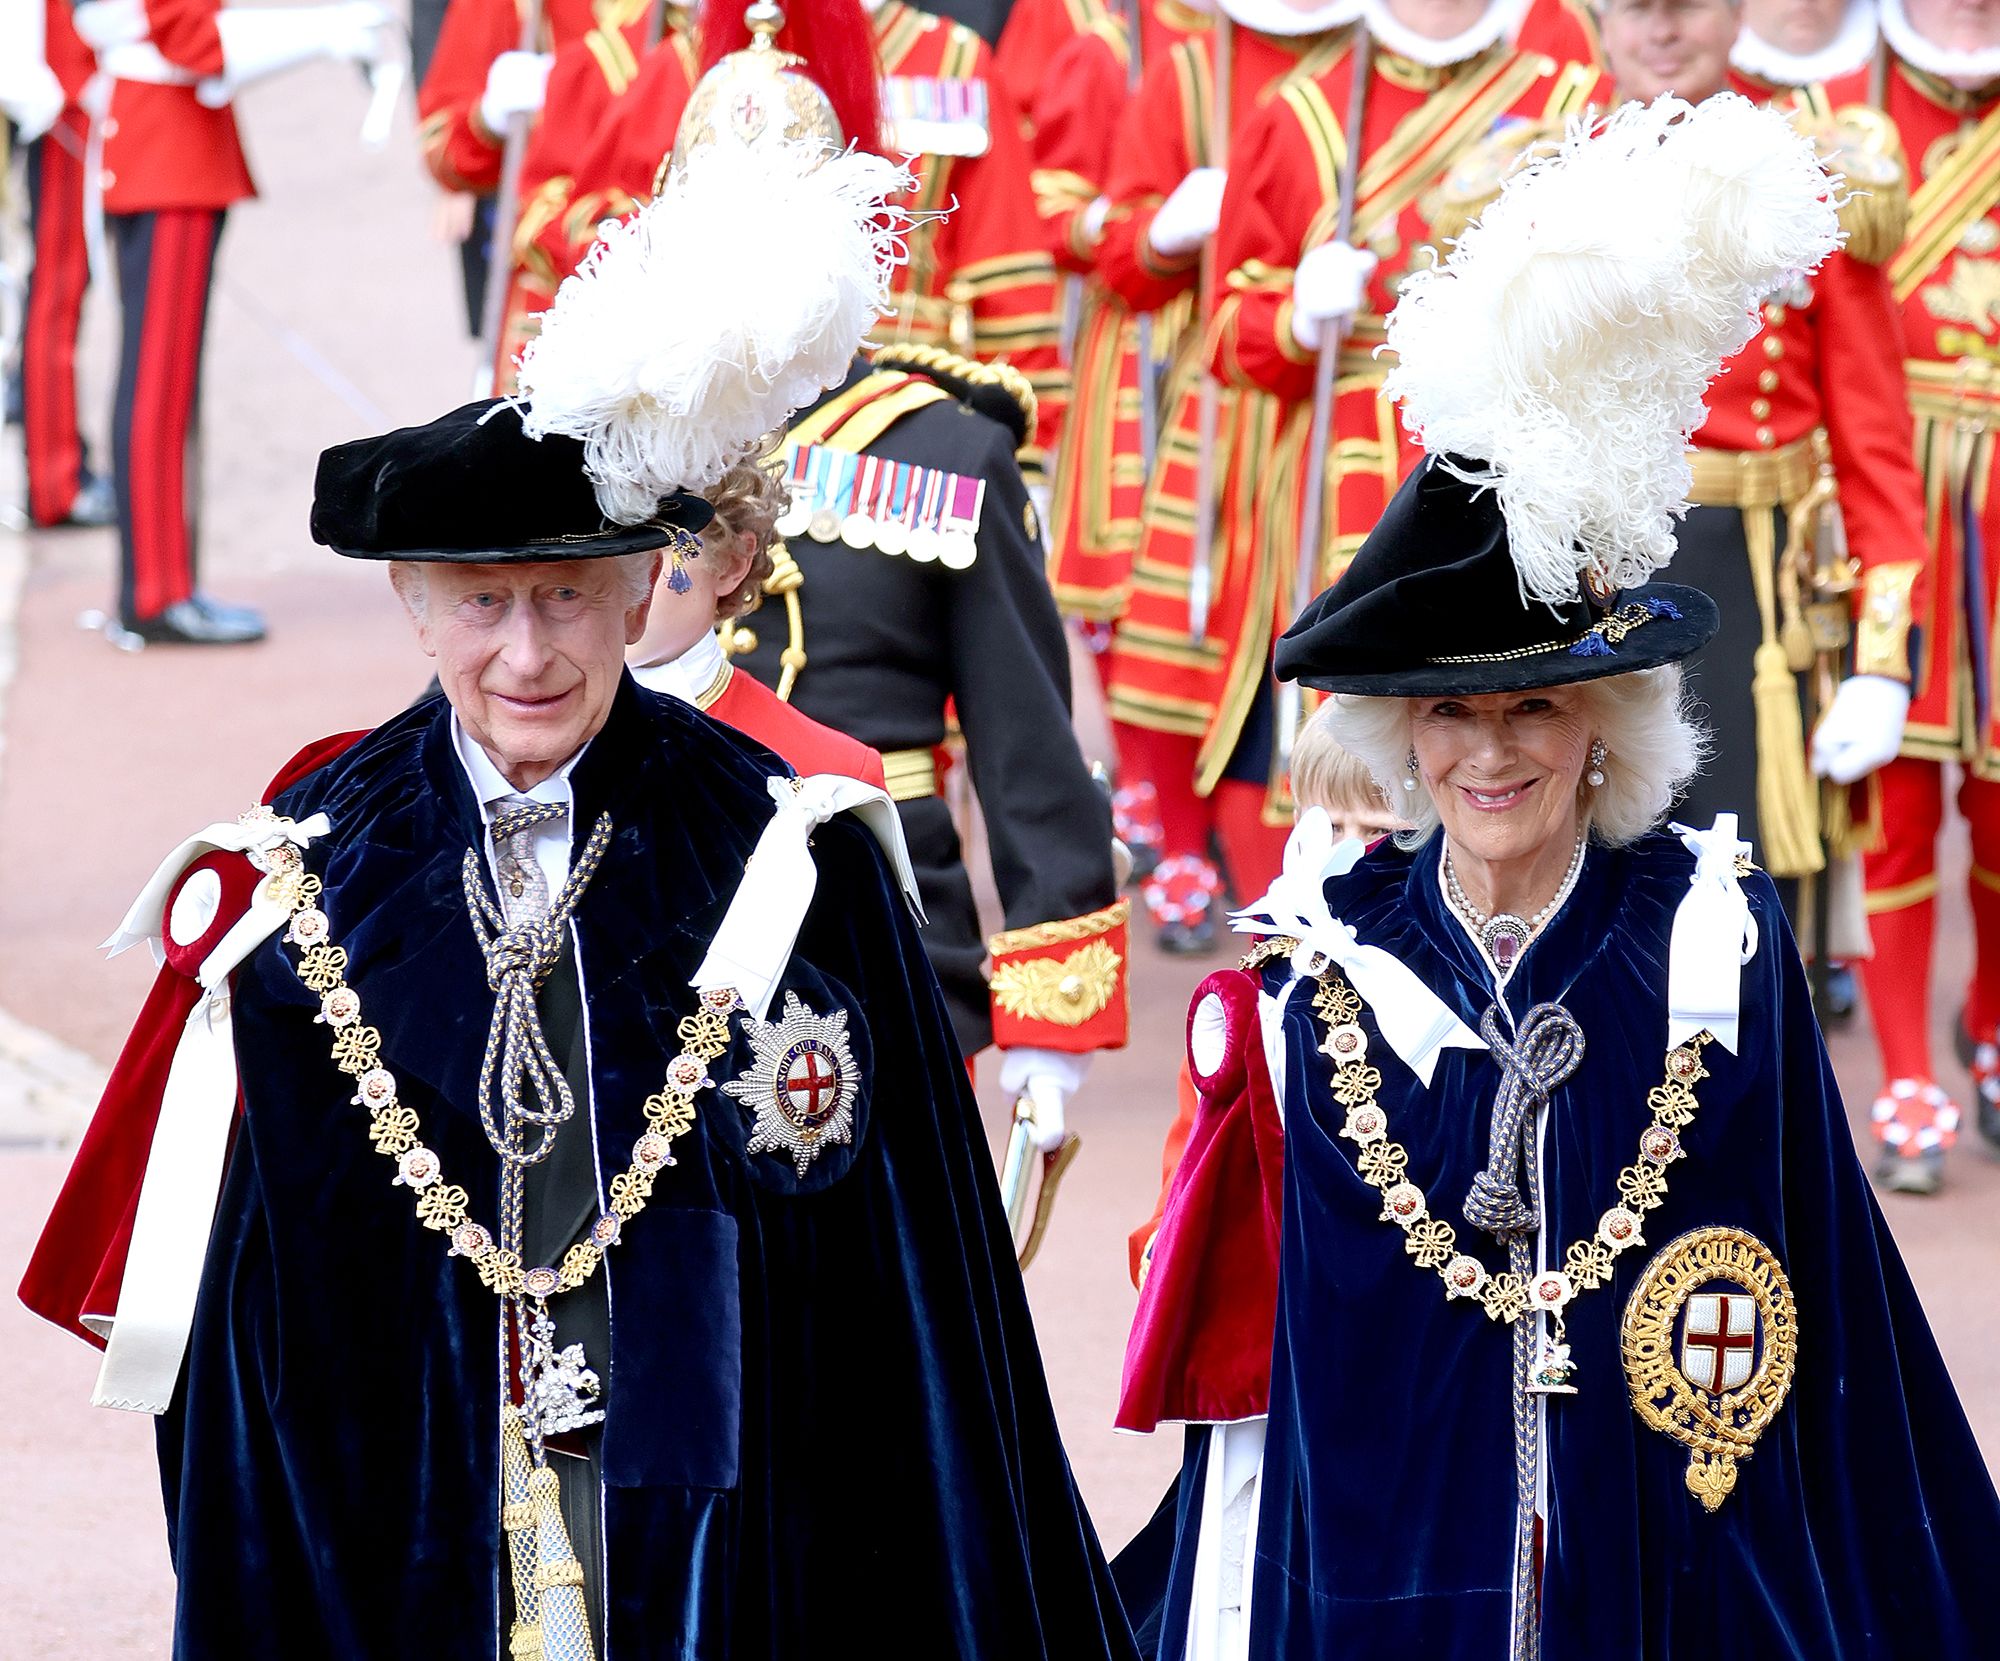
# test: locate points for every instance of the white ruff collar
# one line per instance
(1853, 44)
(1501, 18)
(1966, 70)
(1273, 17)
(687, 676)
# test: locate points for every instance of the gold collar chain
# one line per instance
(394, 1129)
(1433, 1242)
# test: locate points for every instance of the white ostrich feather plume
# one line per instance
(683, 340)
(1561, 353)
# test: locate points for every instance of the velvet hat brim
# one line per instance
(471, 487)
(1432, 606)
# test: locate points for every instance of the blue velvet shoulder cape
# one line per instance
(828, 1433)
(1864, 1525)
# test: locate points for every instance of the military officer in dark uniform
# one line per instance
(914, 595)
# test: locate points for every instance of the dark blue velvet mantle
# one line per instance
(1865, 1524)
(829, 1431)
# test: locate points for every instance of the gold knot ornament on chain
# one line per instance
(1504, 1296)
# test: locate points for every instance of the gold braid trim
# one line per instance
(1882, 628)
(1087, 927)
(936, 360)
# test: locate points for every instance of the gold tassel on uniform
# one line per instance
(1787, 803)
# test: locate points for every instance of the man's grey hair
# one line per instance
(411, 579)
(1654, 747)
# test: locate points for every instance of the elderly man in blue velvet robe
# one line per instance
(605, 1259)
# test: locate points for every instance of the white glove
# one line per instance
(515, 85)
(1328, 283)
(1188, 217)
(262, 41)
(1094, 217)
(31, 97)
(1862, 728)
(1048, 1078)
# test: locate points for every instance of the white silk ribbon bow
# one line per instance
(1714, 936)
(147, 1336)
(1414, 1020)
(750, 949)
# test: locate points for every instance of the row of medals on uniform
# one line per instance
(895, 508)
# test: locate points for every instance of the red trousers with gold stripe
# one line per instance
(1902, 894)
(55, 312)
(166, 260)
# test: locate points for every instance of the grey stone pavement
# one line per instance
(335, 315)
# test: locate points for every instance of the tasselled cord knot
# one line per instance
(518, 1063)
(1505, 1198)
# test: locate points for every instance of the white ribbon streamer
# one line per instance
(147, 1337)
(1415, 1022)
(1714, 936)
(754, 942)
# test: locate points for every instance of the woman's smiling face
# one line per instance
(1503, 768)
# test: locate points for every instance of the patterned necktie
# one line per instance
(524, 890)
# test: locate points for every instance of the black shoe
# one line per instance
(1841, 996)
(1962, 1041)
(1145, 861)
(1195, 939)
(197, 621)
(95, 506)
(1989, 1119)
(1899, 1173)
(16, 397)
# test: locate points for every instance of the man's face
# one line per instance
(1800, 27)
(1957, 25)
(1678, 46)
(529, 655)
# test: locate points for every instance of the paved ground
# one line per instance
(334, 316)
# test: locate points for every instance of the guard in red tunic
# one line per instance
(1034, 37)
(980, 279)
(613, 104)
(40, 91)
(1941, 91)
(1108, 435)
(171, 168)
(1201, 709)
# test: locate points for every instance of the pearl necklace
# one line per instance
(1504, 936)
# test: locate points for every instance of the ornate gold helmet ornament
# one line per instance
(757, 96)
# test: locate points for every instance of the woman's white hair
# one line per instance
(411, 580)
(1653, 745)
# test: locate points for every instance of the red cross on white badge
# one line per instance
(1719, 1341)
(808, 1078)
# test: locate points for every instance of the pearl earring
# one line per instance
(1598, 756)
(1410, 770)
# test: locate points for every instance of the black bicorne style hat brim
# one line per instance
(473, 488)
(1432, 607)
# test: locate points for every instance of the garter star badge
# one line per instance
(801, 1084)
(1710, 1341)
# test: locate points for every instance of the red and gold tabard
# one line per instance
(613, 107)
(1283, 200)
(1157, 679)
(1035, 35)
(1946, 277)
(460, 150)
(980, 279)
(1100, 475)
(1829, 361)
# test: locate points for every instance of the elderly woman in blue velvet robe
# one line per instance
(1589, 1339)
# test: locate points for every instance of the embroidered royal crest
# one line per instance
(801, 1084)
(1710, 1340)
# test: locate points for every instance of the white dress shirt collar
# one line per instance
(692, 677)
(490, 786)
